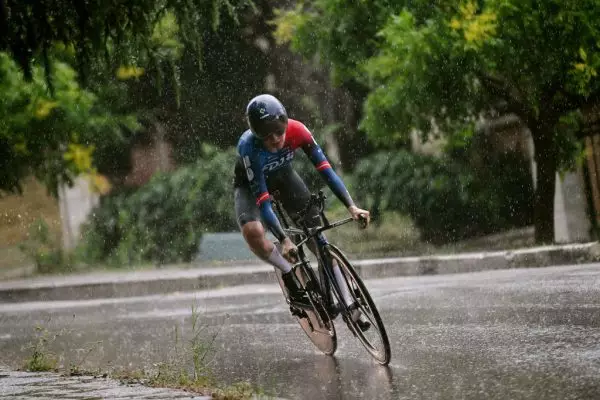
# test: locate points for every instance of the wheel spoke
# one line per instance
(316, 323)
(376, 333)
(323, 336)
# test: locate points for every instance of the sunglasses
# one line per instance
(275, 129)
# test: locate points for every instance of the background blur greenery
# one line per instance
(80, 88)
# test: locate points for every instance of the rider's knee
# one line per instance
(254, 234)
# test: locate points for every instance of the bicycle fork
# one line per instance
(332, 275)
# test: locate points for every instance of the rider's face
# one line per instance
(274, 142)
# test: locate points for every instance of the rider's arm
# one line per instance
(316, 156)
(268, 215)
(263, 199)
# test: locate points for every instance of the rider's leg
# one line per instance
(248, 219)
(294, 195)
(253, 231)
(254, 234)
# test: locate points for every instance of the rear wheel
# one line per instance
(315, 321)
(375, 339)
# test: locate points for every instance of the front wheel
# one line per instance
(375, 340)
(315, 321)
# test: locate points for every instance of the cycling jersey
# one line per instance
(256, 164)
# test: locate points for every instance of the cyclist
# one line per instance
(263, 166)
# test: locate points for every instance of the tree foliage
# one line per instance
(446, 198)
(28, 30)
(74, 74)
(164, 220)
(524, 57)
(447, 63)
(52, 135)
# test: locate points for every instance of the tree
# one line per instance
(340, 36)
(55, 116)
(28, 30)
(451, 63)
(52, 136)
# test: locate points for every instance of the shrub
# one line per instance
(45, 250)
(163, 221)
(447, 200)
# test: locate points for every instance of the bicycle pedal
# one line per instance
(297, 312)
(334, 311)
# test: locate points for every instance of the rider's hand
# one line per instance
(289, 251)
(360, 214)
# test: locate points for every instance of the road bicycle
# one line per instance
(324, 293)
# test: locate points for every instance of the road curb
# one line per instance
(169, 280)
(472, 262)
(130, 284)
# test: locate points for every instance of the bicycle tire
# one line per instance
(367, 306)
(324, 337)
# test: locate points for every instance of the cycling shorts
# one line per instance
(286, 186)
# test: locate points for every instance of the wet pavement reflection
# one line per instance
(522, 334)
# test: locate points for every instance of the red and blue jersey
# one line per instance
(259, 163)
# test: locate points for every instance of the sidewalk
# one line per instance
(50, 385)
(195, 277)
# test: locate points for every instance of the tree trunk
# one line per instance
(332, 146)
(546, 163)
(354, 144)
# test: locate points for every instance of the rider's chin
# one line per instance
(276, 146)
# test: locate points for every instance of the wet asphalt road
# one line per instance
(511, 334)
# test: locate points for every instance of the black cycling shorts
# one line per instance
(286, 186)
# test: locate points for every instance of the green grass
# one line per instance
(188, 367)
(42, 359)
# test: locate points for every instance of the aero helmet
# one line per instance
(266, 115)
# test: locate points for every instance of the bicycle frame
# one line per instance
(329, 289)
(326, 274)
